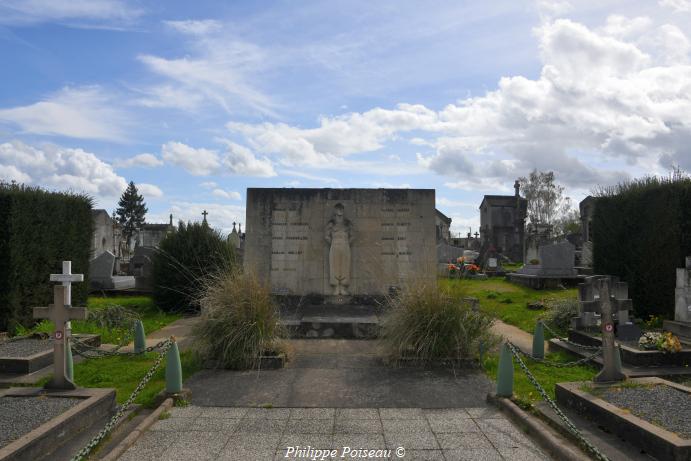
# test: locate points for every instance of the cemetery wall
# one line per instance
(38, 230)
(642, 233)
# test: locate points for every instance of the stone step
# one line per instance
(331, 322)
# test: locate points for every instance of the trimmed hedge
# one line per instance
(38, 230)
(185, 262)
(642, 233)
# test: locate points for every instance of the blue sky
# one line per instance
(196, 101)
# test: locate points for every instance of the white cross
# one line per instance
(67, 277)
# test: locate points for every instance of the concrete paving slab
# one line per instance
(264, 438)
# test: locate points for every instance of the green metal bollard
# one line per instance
(173, 370)
(505, 373)
(539, 341)
(69, 362)
(139, 337)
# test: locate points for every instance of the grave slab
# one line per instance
(42, 441)
(30, 355)
(655, 440)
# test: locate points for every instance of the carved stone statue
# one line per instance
(339, 235)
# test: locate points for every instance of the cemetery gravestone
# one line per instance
(590, 300)
(681, 325)
(101, 274)
(340, 242)
(141, 266)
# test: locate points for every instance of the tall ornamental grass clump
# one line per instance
(428, 323)
(239, 321)
(185, 259)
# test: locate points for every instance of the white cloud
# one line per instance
(140, 160)
(681, 6)
(171, 96)
(194, 27)
(227, 194)
(240, 160)
(237, 160)
(608, 103)
(60, 168)
(208, 184)
(336, 137)
(34, 11)
(149, 190)
(199, 162)
(84, 112)
(222, 70)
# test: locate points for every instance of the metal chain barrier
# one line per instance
(92, 352)
(570, 426)
(567, 340)
(561, 364)
(84, 452)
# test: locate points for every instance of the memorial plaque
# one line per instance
(340, 242)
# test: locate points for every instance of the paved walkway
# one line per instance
(340, 373)
(257, 434)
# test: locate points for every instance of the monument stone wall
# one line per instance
(340, 241)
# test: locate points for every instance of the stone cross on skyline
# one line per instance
(205, 213)
(60, 314)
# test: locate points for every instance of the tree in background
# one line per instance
(131, 211)
(547, 203)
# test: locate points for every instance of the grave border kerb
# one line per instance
(37, 438)
(656, 440)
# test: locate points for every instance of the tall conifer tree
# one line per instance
(131, 211)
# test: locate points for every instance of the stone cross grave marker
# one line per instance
(610, 372)
(60, 313)
(67, 277)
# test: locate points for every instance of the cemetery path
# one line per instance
(341, 374)
(520, 338)
(258, 434)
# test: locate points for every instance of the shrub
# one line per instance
(239, 321)
(428, 323)
(184, 259)
(38, 230)
(658, 211)
(560, 313)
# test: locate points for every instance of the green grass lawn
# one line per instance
(504, 300)
(124, 374)
(152, 318)
(524, 392)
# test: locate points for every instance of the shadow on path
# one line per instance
(340, 374)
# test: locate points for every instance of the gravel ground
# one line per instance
(21, 415)
(24, 347)
(661, 405)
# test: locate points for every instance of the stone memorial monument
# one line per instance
(339, 243)
(681, 325)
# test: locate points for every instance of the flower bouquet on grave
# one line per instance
(669, 343)
(452, 268)
(471, 269)
(649, 341)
